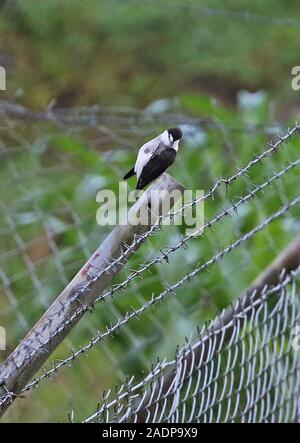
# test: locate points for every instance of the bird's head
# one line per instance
(174, 134)
(171, 137)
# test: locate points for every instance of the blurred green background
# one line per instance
(222, 70)
(133, 52)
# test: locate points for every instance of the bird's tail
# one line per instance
(129, 174)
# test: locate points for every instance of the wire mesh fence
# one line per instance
(48, 231)
(244, 367)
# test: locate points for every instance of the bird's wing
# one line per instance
(145, 153)
(158, 163)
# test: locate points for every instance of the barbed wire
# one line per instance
(164, 256)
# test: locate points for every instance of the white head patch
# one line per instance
(165, 138)
(175, 145)
(168, 140)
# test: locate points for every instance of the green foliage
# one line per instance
(133, 52)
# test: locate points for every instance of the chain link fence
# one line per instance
(243, 367)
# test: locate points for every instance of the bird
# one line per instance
(155, 156)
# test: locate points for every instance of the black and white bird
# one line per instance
(155, 157)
